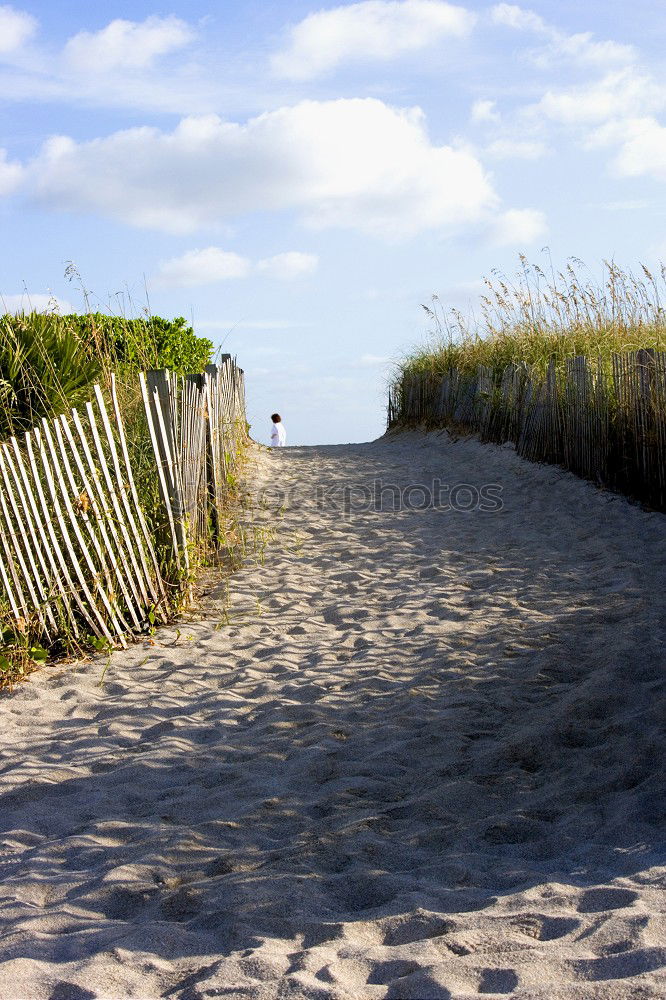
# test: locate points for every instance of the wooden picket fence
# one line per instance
(78, 556)
(608, 426)
(197, 428)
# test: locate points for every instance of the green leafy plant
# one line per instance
(45, 367)
(146, 342)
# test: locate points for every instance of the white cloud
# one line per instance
(578, 48)
(202, 267)
(484, 111)
(619, 94)
(641, 146)
(11, 174)
(518, 227)
(512, 16)
(209, 266)
(354, 163)
(582, 48)
(16, 27)
(25, 302)
(124, 64)
(175, 90)
(616, 112)
(126, 44)
(595, 111)
(516, 149)
(286, 266)
(371, 30)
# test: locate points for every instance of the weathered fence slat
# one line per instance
(134, 573)
(14, 592)
(84, 552)
(606, 424)
(18, 536)
(62, 546)
(165, 494)
(108, 523)
(27, 473)
(156, 579)
(149, 590)
(76, 551)
(33, 546)
(100, 543)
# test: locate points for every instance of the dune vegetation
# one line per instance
(537, 317)
(49, 364)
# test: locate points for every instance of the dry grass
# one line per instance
(536, 317)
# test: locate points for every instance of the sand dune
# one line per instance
(420, 758)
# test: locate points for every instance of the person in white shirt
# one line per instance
(278, 433)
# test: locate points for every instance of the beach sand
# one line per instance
(418, 756)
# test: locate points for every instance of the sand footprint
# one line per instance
(417, 926)
(430, 983)
(386, 972)
(599, 900)
(498, 981)
(622, 966)
(546, 928)
(70, 991)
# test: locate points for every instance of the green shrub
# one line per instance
(49, 363)
(45, 368)
(151, 342)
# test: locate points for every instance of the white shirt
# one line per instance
(278, 436)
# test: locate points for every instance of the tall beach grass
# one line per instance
(540, 315)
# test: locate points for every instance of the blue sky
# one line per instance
(297, 179)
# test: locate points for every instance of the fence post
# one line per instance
(160, 413)
(212, 458)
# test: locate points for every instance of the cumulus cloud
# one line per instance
(212, 265)
(616, 112)
(372, 30)
(641, 146)
(202, 267)
(286, 266)
(126, 44)
(353, 163)
(579, 48)
(518, 227)
(16, 27)
(25, 302)
(11, 174)
(619, 94)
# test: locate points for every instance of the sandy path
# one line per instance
(422, 761)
